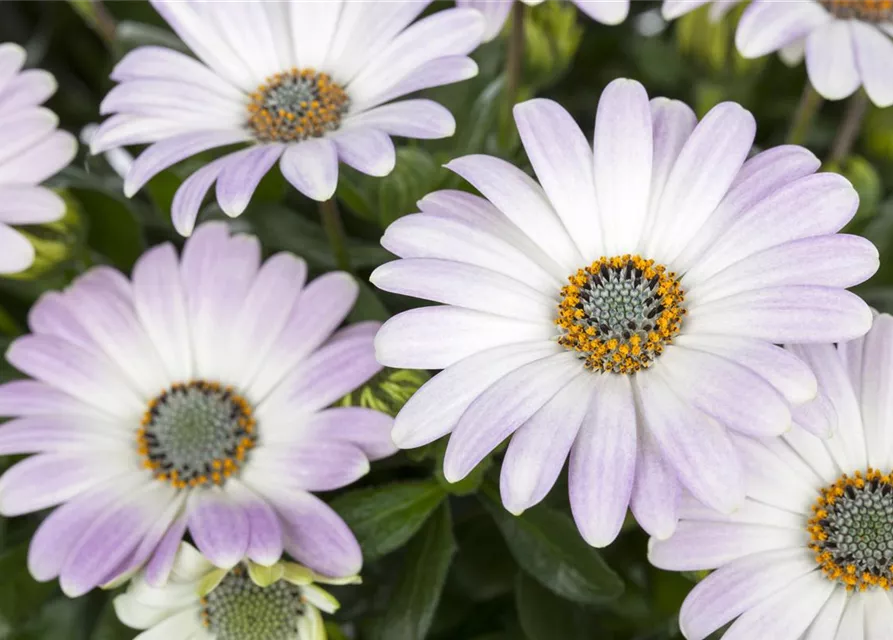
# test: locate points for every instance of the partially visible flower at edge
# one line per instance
(496, 12)
(33, 149)
(303, 84)
(247, 602)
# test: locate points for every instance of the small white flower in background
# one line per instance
(247, 602)
(304, 84)
(672, 9)
(196, 395)
(847, 43)
(624, 311)
(809, 555)
(32, 149)
(496, 12)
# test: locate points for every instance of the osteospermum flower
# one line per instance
(496, 12)
(193, 396)
(672, 9)
(622, 311)
(846, 42)
(247, 602)
(32, 149)
(304, 84)
(810, 553)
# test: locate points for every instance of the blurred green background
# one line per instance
(443, 561)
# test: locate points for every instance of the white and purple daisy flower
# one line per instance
(847, 43)
(304, 84)
(672, 9)
(32, 149)
(496, 12)
(624, 310)
(247, 602)
(809, 555)
(194, 396)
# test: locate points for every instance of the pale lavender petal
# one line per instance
(166, 153)
(265, 537)
(831, 59)
(24, 129)
(503, 408)
(672, 122)
(435, 409)
(603, 461)
(495, 13)
(794, 315)
(315, 535)
(17, 253)
(123, 129)
(562, 160)
(367, 429)
(424, 119)
(436, 73)
(159, 567)
(466, 286)
(34, 398)
(767, 26)
(320, 308)
(174, 99)
(605, 11)
(878, 614)
(219, 526)
(40, 161)
(63, 433)
(241, 174)
(539, 448)
(367, 150)
(691, 442)
(188, 199)
(874, 56)
(313, 465)
(311, 167)
(873, 393)
(27, 89)
(29, 205)
(437, 337)
(672, 9)
(656, 489)
(12, 58)
(739, 586)
(112, 538)
(323, 378)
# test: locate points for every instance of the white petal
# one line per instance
(874, 56)
(766, 26)
(312, 167)
(831, 61)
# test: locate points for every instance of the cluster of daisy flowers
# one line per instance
(661, 309)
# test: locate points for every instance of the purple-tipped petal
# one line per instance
(672, 9)
(159, 567)
(219, 527)
(311, 167)
(367, 429)
(656, 490)
(367, 150)
(603, 461)
(314, 465)
(495, 13)
(767, 26)
(265, 537)
(419, 118)
(188, 198)
(241, 174)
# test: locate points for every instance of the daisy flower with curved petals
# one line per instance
(32, 149)
(809, 556)
(304, 84)
(846, 42)
(672, 9)
(496, 12)
(623, 310)
(193, 396)
(247, 602)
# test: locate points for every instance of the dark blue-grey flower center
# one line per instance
(852, 530)
(867, 10)
(238, 609)
(196, 433)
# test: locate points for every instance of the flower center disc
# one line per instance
(619, 312)
(852, 530)
(238, 609)
(196, 433)
(295, 105)
(867, 10)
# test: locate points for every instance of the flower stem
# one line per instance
(810, 101)
(515, 62)
(849, 128)
(331, 222)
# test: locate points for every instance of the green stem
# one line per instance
(849, 128)
(810, 101)
(331, 222)
(515, 62)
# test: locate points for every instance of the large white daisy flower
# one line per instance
(496, 12)
(194, 396)
(809, 556)
(32, 149)
(247, 602)
(622, 311)
(304, 84)
(846, 42)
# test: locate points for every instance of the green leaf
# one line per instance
(548, 546)
(415, 175)
(21, 597)
(387, 391)
(112, 229)
(484, 568)
(545, 616)
(385, 518)
(412, 606)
